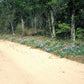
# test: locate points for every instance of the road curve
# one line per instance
(20, 64)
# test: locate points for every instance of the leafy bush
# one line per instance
(74, 49)
(3, 37)
(69, 41)
(6, 37)
(18, 40)
(62, 42)
(62, 54)
(80, 33)
(12, 39)
(38, 44)
(48, 49)
(30, 40)
(54, 43)
(53, 39)
(63, 27)
(22, 41)
(47, 42)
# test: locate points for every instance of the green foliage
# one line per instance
(22, 41)
(31, 8)
(30, 40)
(47, 42)
(48, 49)
(54, 43)
(62, 42)
(38, 44)
(64, 27)
(12, 39)
(62, 55)
(52, 2)
(74, 49)
(69, 41)
(6, 37)
(18, 29)
(80, 33)
(13, 10)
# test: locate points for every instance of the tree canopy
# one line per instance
(53, 18)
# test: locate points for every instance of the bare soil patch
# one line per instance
(20, 64)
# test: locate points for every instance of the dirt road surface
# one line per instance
(20, 64)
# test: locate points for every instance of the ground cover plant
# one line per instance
(67, 49)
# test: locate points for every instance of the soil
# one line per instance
(20, 64)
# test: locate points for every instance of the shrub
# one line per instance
(22, 41)
(80, 33)
(69, 41)
(62, 54)
(30, 41)
(38, 44)
(47, 42)
(6, 37)
(54, 44)
(63, 27)
(48, 49)
(62, 42)
(74, 49)
(12, 39)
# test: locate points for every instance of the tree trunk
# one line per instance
(22, 21)
(52, 23)
(32, 23)
(35, 22)
(10, 17)
(12, 28)
(73, 24)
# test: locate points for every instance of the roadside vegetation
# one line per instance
(55, 26)
(61, 48)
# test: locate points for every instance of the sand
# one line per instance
(20, 64)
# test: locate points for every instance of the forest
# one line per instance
(53, 18)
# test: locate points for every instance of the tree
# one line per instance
(73, 22)
(43, 17)
(20, 7)
(10, 10)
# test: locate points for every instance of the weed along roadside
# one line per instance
(64, 49)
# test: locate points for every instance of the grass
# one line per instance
(67, 49)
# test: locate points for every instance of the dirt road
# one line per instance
(23, 65)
